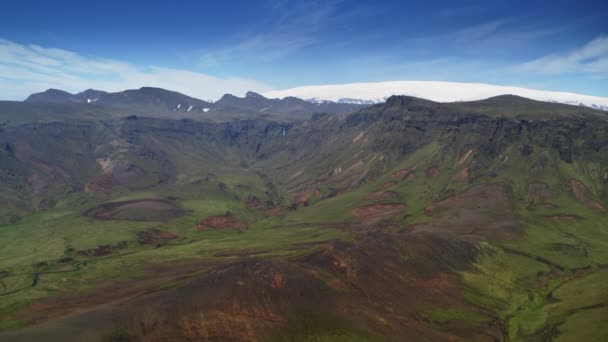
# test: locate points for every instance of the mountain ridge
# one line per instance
(153, 99)
(158, 100)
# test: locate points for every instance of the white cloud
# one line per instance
(591, 58)
(25, 69)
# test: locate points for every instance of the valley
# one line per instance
(406, 220)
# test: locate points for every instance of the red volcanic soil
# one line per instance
(583, 194)
(407, 171)
(382, 195)
(380, 211)
(379, 291)
(462, 175)
(278, 281)
(242, 301)
(102, 184)
(227, 220)
(274, 211)
(253, 202)
(304, 196)
(389, 184)
(408, 176)
(432, 171)
(154, 236)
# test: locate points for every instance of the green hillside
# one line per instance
(410, 220)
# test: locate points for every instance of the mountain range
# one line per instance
(156, 101)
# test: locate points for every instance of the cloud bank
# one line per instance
(26, 69)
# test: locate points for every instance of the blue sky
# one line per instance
(205, 48)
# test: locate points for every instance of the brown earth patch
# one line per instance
(379, 291)
(462, 175)
(227, 220)
(389, 184)
(382, 195)
(383, 278)
(135, 210)
(403, 172)
(388, 306)
(583, 194)
(374, 212)
(103, 184)
(242, 301)
(154, 236)
(253, 202)
(432, 171)
(274, 211)
(303, 197)
(278, 281)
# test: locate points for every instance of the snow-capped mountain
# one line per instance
(369, 93)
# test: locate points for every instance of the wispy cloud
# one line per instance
(25, 69)
(592, 58)
(495, 37)
(289, 26)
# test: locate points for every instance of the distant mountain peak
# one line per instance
(58, 91)
(52, 96)
(405, 101)
(252, 94)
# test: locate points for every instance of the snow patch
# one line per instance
(370, 93)
(206, 109)
(265, 109)
(179, 105)
(189, 108)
